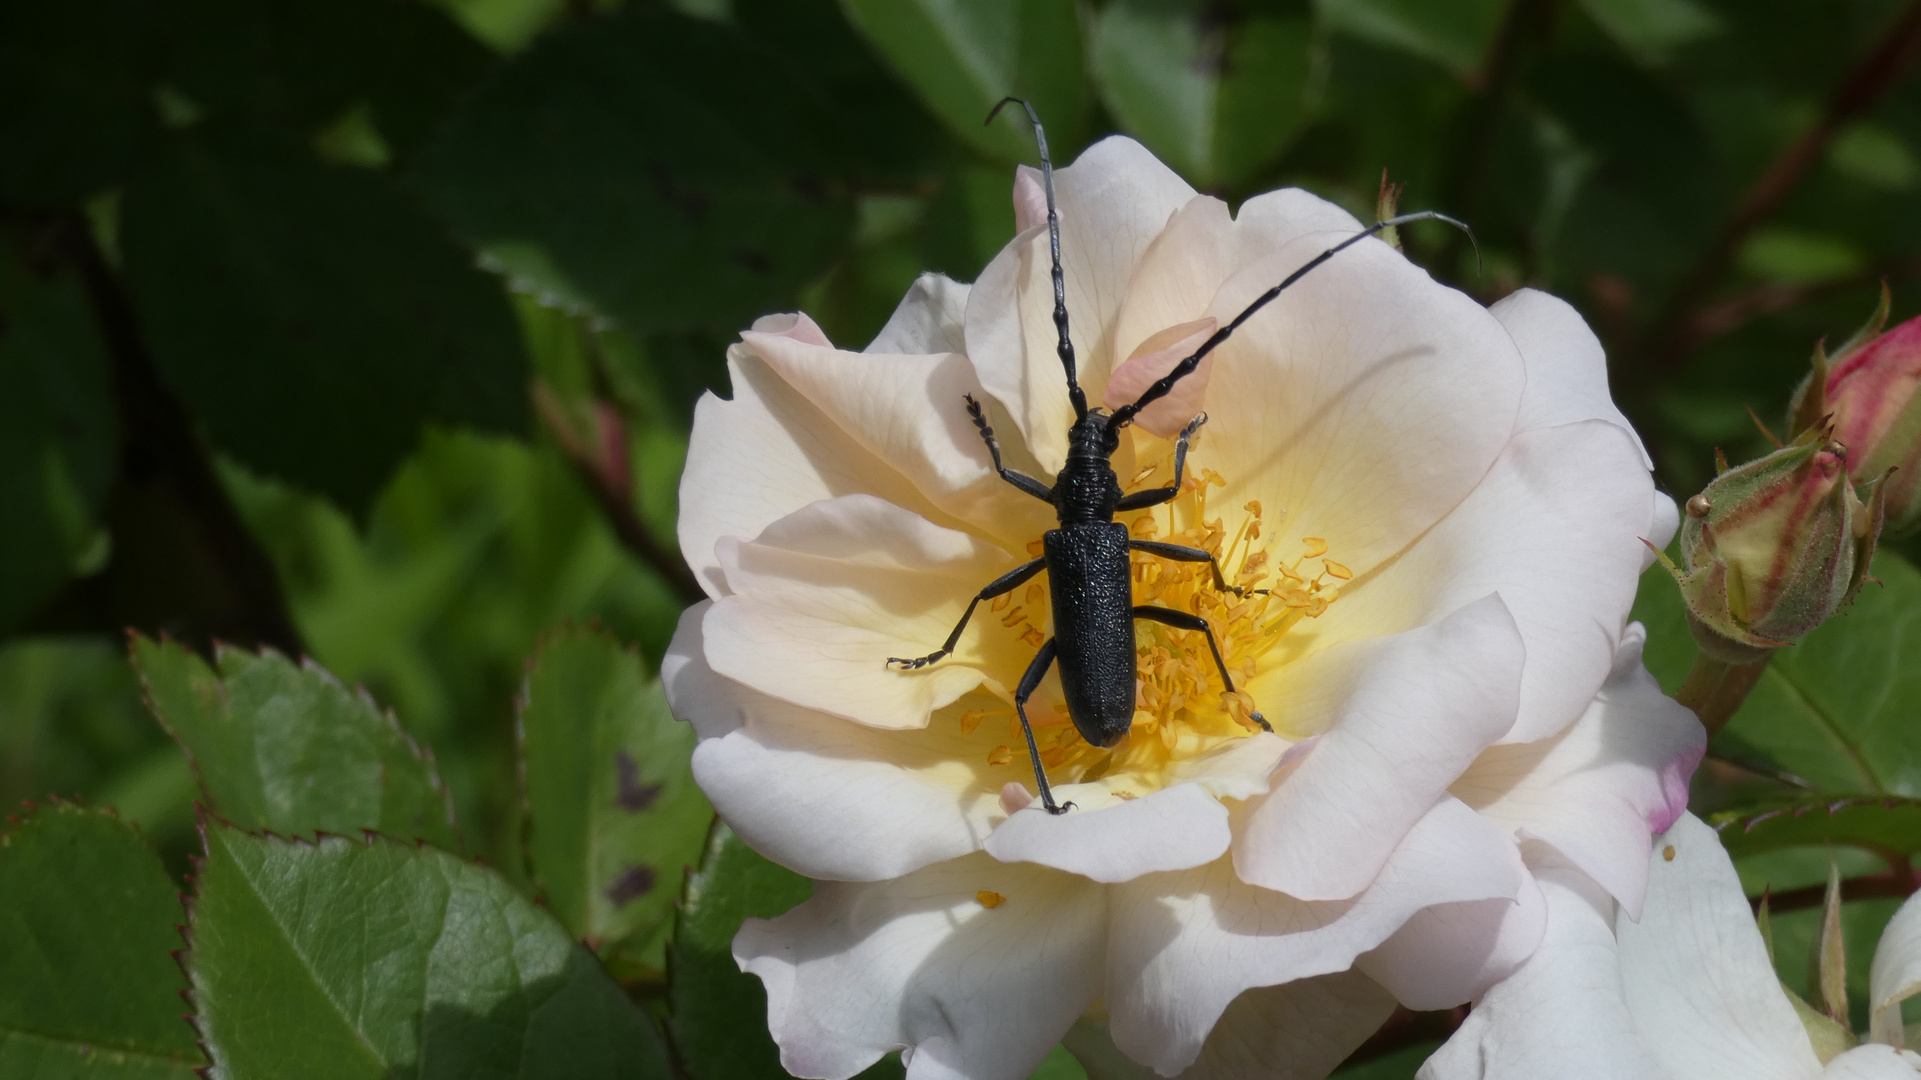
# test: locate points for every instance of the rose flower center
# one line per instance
(1181, 708)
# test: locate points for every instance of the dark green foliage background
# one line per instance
(368, 332)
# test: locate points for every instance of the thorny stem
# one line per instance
(1672, 337)
(1716, 688)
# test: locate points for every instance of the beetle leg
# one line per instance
(1018, 479)
(1032, 679)
(1006, 583)
(1186, 621)
(1183, 553)
(1156, 496)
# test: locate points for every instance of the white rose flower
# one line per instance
(1447, 511)
(1683, 992)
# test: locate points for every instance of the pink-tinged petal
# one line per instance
(825, 595)
(920, 962)
(1555, 528)
(1113, 201)
(1296, 1031)
(1896, 974)
(1874, 1062)
(1172, 829)
(1695, 975)
(910, 412)
(1567, 376)
(1172, 284)
(1367, 430)
(1601, 789)
(931, 318)
(1424, 704)
(1450, 954)
(1183, 945)
(822, 795)
(1560, 1016)
(1152, 361)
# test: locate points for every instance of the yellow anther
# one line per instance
(1012, 618)
(989, 899)
(1034, 594)
(1316, 547)
(1336, 570)
(1000, 755)
(971, 719)
(1033, 637)
(1036, 548)
(1125, 796)
(1144, 474)
(1000, 602)
(1253, 507)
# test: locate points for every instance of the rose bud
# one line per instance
(1771, 549)
(1867, 392)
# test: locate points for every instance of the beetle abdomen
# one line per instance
(1089, 580)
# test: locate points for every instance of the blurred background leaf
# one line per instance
(370, 331)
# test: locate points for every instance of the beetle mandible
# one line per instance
(1087, 558)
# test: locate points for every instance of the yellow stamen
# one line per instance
(989, 899)
(971, 719)
(1335, 569)
(1316, 547)
(1000, 755)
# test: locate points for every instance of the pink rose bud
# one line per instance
(1771, 549)
(1867, 392)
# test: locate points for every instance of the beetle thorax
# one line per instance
(1087, 489)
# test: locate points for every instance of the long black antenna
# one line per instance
(1126, 413)
(1066, 346)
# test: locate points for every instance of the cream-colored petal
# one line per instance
(1896, 974)
(825, 796)
(1561, 1016)
(1425, 704)
(1696, 977)
(1450, 954)
(1567, 379)
(909, 411)
(1273, 219)
(1296, 1031)
(921, 962)
(1151, 361)
(1366, 401)
(824, 596)
(931, 318)
(1555, 529)
(1113, 201)
(1183, 945)
(1874, 1061)
(1599, 791)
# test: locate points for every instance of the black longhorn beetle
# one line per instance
(1089, 571)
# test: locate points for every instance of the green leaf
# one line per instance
(371, 958)
(75, 104)
(1887, 825)
(88, 985)
(1453, 33)
(1652, 29)
(963, 56)
(310, 315)
(652, 168)
(719, 1017)
(290, 749)
(57, 435)
(1838, 708)
(1215, 98)
(304, 62)
(614, 817)
(1834, 712)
